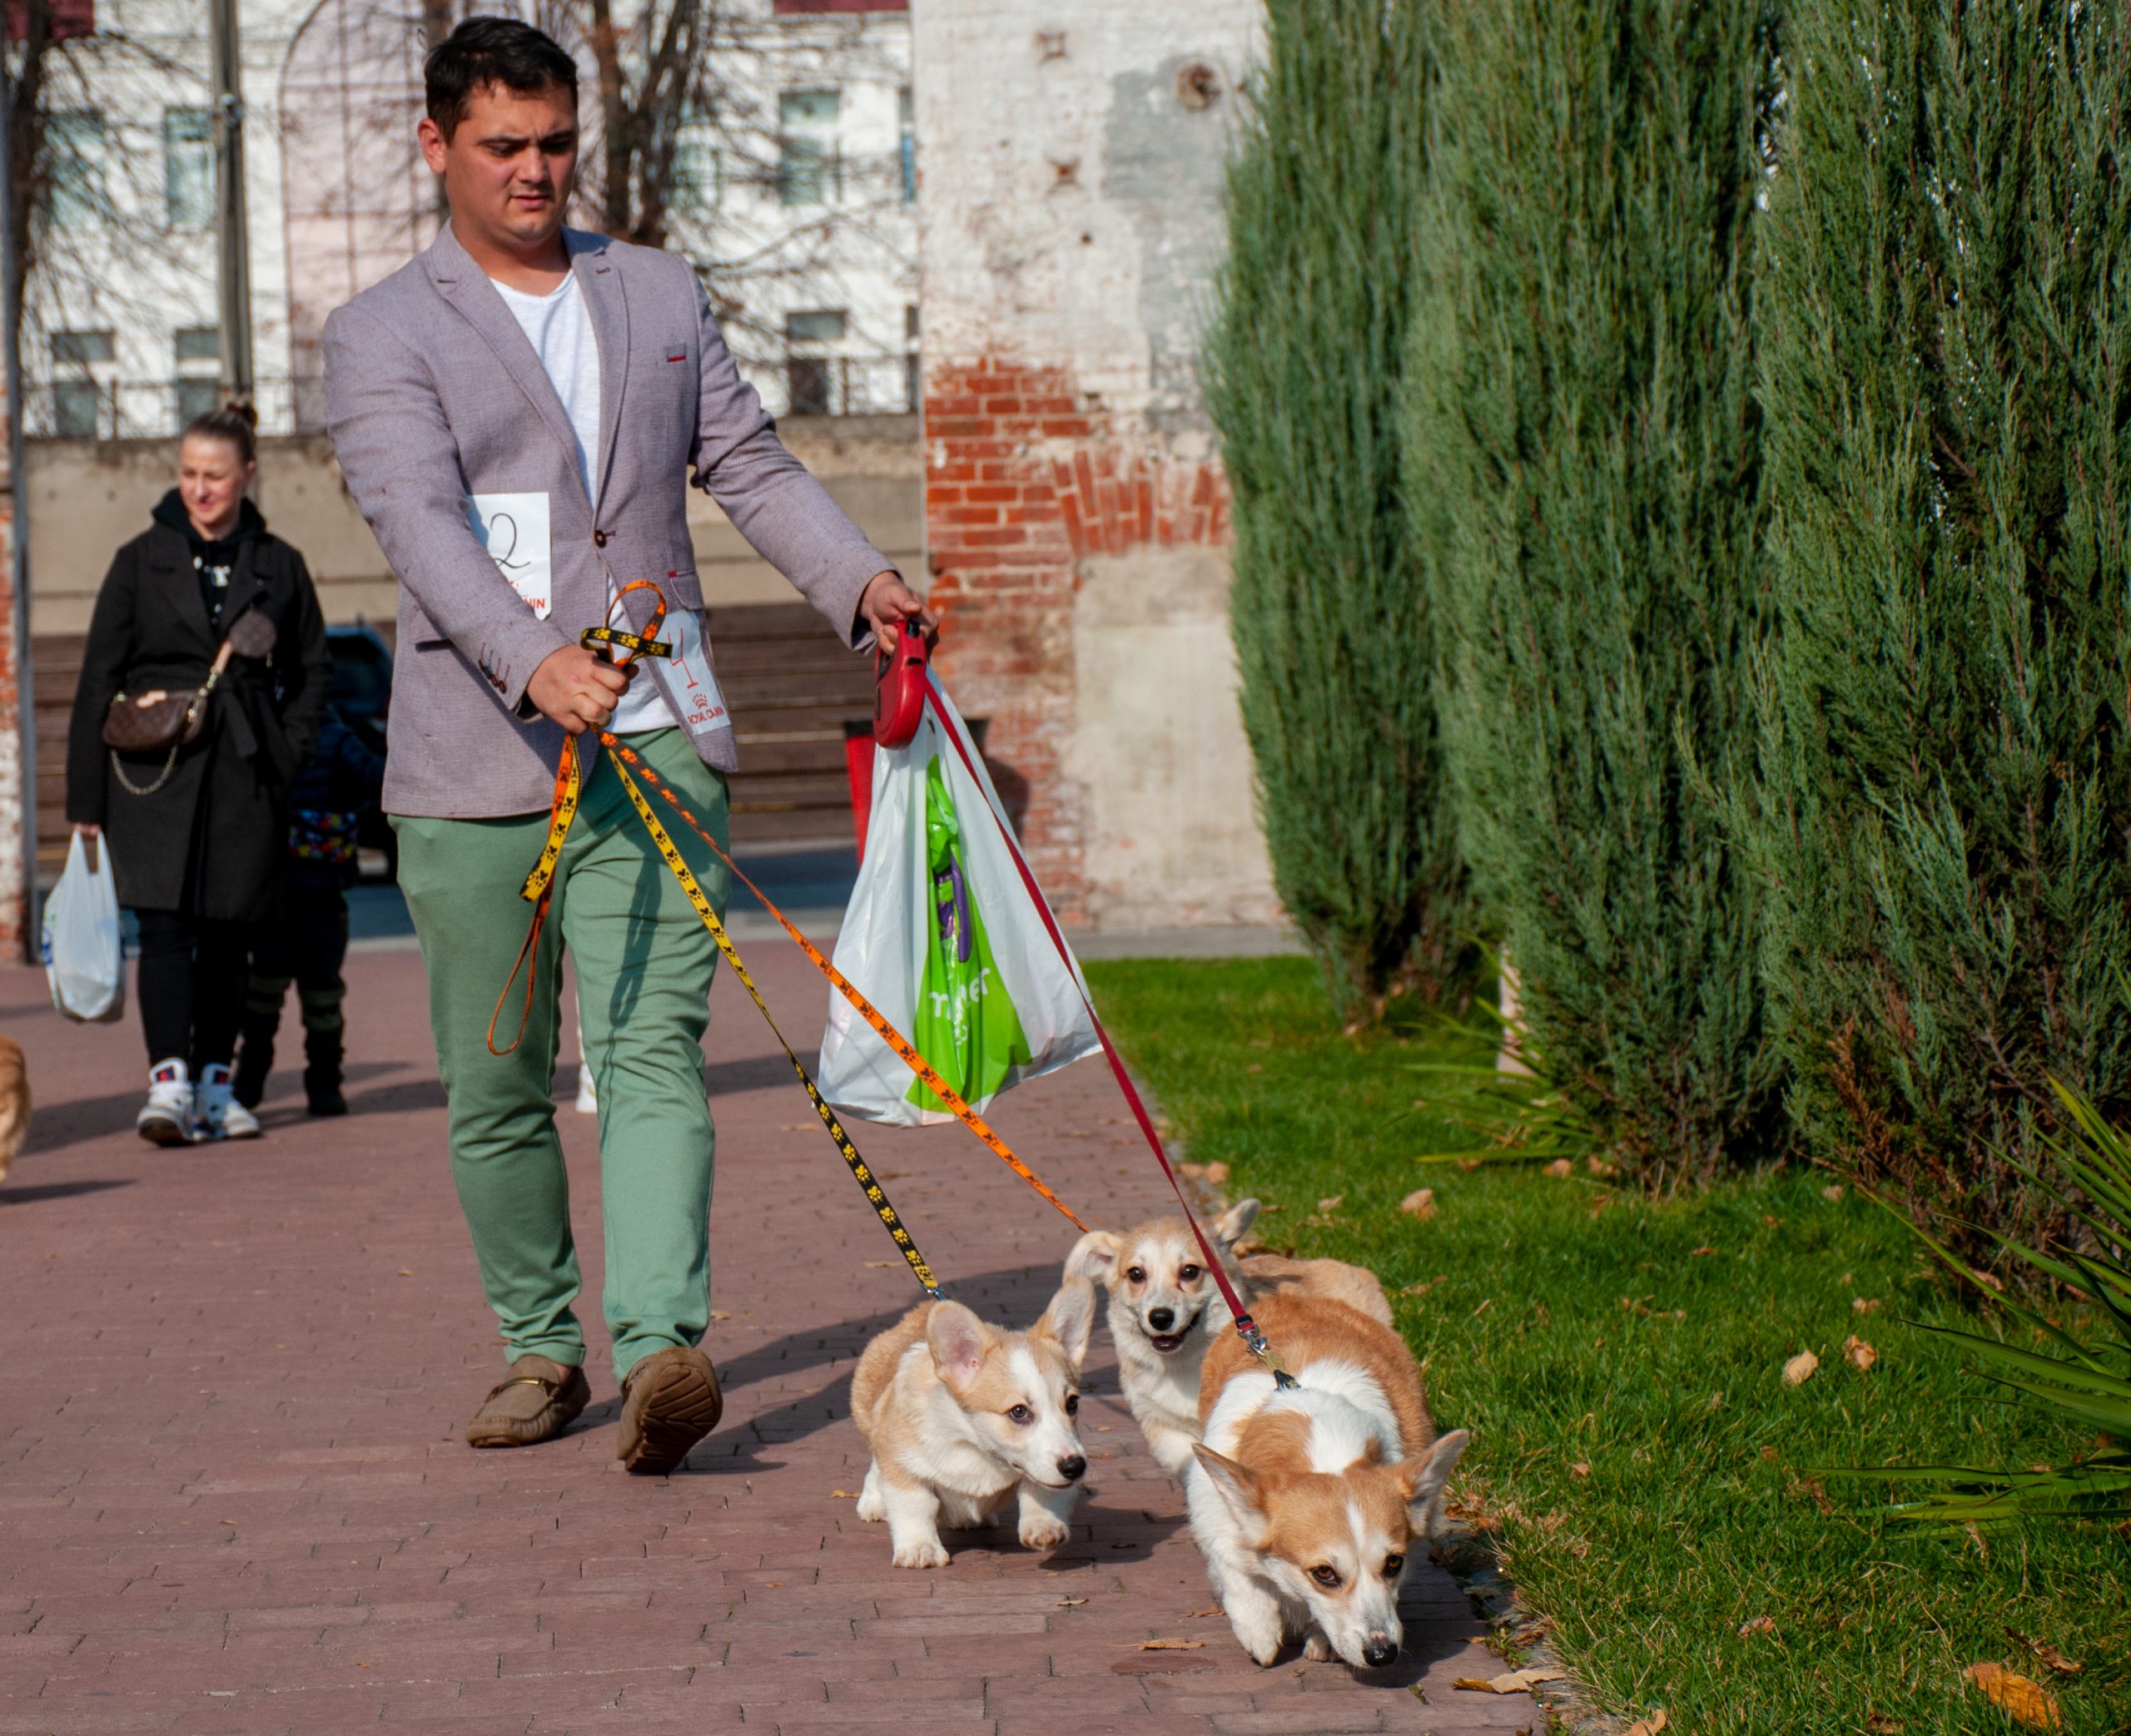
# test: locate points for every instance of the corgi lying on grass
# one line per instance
(1308, 1503)
(963, 1417)
(1165, 1309)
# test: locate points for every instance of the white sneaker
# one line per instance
(221, 1116)
(167, 1116)
(587, 1093)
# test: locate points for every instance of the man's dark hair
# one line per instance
(492, 50)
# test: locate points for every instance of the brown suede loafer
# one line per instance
(670, 1402)
(537, 1402)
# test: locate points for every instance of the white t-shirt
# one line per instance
(559, 326)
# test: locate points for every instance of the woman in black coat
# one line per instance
(198, 857)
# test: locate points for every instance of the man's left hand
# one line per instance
(887, 603)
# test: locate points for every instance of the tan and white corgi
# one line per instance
(1308, 1503)
(962, 1416)
(1165, 1309)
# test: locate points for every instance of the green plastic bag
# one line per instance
(967, 1026)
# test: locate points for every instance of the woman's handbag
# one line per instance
(158, 719)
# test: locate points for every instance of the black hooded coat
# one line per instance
(211, 840)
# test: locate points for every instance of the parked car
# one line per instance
(361, 692)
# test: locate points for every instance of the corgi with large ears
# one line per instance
(963, 1417)
(1308, 1503)
(1165, 1309)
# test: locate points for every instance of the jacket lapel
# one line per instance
(466, 287)
(170, 561)
(244, 582)
(601, 284)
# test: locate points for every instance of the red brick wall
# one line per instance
(1023, 480)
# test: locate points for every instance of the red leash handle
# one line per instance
(1246, 1328)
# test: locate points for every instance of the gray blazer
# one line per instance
(433, 395)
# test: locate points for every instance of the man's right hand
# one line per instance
(577, 687)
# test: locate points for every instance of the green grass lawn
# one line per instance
(1619, 1362)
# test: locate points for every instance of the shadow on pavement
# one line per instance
(57, 1190)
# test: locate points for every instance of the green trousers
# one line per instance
(643, 962)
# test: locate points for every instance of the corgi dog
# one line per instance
(962, 1416)
(1307, 1503)
(1166, 1308)
(14, 1103)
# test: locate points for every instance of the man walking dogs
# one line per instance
(517, 413)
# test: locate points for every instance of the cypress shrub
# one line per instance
(1583, 461)
(1945, 793)
(1329, 610)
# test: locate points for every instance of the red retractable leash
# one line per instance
(1247, 1329)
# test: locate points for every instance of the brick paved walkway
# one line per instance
(233, 1495)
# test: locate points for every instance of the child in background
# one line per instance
(308, 941)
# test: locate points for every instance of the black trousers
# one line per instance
(307, 944)
(191, 979)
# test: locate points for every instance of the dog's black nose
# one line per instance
(1072, 1469)
(1377, 1652)
(1161, 1319)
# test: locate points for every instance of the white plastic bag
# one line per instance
(959, 960)
(83, 961)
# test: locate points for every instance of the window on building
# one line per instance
(77, 409)
(808, 172)
(84, 346)
(810, 380)
(198, 351)
(189, 167)
(698, 177)
(906, 144)
(75, 145)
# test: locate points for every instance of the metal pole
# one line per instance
(18, 558)
(235, 252)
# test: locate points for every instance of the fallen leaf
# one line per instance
(1832, 1191)
(842, 1495)
(1864, 1305)
(1561, 1167)
(1425, 1285)
(1799, 1368)
(1880, 1724)
(1210, 1609)
(719, 1314)
(405, 1273)
(1517, 1681)
(1771, 1220)
(1759, 1624)
(1579, 1471)
(1468, 1164)
(2045, 1652)
(2025, 1701)
(1102, 1428)
(1769, 1453)
(1419, 1204)
(1070, 1603)
(877, 1265)
(1599, 1166)
(1858, 1354)
(1331, 1203)
(1172, 1644)
(1703, 1253)
(1649, 1726)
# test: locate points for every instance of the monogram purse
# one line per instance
(160, 719)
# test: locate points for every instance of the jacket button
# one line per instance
(598, 539)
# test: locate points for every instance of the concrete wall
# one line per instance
(1070, 226)
(86, 498)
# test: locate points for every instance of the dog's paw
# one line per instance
(924, 1552)
(871, 1509)
(1044, 1531)
(1317, 1650)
